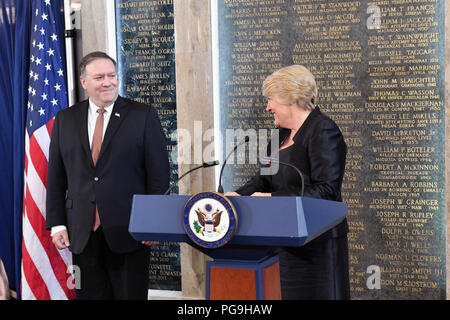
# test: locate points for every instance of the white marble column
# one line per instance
(193, 61)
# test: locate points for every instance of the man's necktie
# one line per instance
(95, 151)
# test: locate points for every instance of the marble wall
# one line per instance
(93, 30)
(193, 61)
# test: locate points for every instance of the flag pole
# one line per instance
(69, 35)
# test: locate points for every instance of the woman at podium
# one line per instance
(313, 143)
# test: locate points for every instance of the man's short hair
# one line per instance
(91, 57)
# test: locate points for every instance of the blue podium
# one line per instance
(247, 267)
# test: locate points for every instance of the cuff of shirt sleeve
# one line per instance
(56, 229)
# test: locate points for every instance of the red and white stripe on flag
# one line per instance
(45, 269)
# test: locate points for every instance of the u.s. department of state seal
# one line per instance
(210, 219)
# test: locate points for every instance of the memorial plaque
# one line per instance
(379, 67)
(146, 71)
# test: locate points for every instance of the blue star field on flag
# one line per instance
(47, 93)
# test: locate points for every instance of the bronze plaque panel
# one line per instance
(379, 66)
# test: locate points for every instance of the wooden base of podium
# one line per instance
(243, 280)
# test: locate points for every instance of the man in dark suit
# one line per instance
(103, 151)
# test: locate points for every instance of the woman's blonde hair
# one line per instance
(290, 85)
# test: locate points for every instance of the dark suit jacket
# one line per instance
(319, 152)
(133, 160)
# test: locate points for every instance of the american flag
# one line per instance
(45, 272)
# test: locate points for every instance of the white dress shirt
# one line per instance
(92, 119)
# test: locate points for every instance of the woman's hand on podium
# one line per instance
(150, 243)
(232, 193)
(261, 194)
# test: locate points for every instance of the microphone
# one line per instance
(269, 163)
(220, 188)
(204, 165)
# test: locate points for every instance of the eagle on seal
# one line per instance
(203, 218)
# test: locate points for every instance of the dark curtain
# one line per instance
(15, 17)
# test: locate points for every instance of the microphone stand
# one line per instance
(204, 165)
(220, 188)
